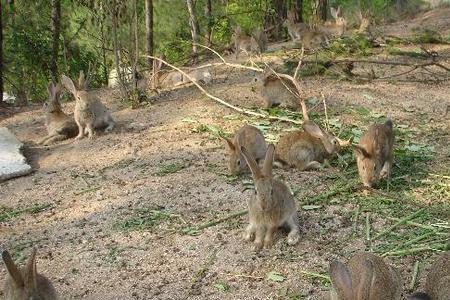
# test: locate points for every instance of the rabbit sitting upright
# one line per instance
(307, 149)
(374, 153)
(273, 205)
(59, 126)
(26, 284)
(366, 277)
(253, 140)
(90, 113)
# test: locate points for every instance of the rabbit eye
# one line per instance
(238, 162)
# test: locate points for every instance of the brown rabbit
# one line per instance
(26, 284)
(272, 207)
(335, 28)
(276, 91)
(90, 113)
(244, 42)
(295, 30)
(59, 126)
(364, 22)
(253, 140)
(307, 149)
(438, 280)
(374, 154)
(367, 277)
(261, 39)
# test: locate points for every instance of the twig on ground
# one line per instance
(243, 276)
(196, 229)
(412, 285)
(368, 238)
(315, 275)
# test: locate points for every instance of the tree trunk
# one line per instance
(115, 25)
(323, 9)
(136, 44)
(194, 28)
(399, 6)
(56, 26)
(209, 22)
(149, 31)
(1, 55)
(299, 10)
(280, 9)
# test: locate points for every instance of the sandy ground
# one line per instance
(92, 186)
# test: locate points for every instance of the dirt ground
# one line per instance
(82, 208)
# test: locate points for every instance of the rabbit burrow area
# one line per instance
(115, 217)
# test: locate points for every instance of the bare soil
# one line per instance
(93, 186)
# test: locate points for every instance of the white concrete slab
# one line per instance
(12, 162)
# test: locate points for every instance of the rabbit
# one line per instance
(59, 126)
(295, 30)
(26, 284)
(253, 140)
(261, 39)
(366, 277)
(437, 285)
(90, 113)
(307, 149)
(244, 42)
(336, 28)
(364, 22)
(273, 205)
(374, 153)
(276, 91)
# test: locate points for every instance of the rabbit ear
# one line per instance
(341, 279)
(12, 269)
(268, 161)
(68, 84)
(50, 89)
(82, 81)
(251, 163)
(359, 15)
(365, 282)
(30, 278)
(360, 151)
(230, 144)
(314, 130)
(334, 12)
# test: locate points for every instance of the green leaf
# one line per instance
(276, 277)
(221, 286)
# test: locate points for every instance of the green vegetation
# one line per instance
(7, 213)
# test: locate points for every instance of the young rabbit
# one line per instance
(59, 126)
(90, 113)
(336, 28)
(438, 280)
(307, 149)
(276, 91)
(26, 284)
(367, 277)
(253, 140)
(374, 154)
(273, 205)
(244, 42)
(364, 22)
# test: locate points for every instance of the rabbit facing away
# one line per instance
(364, 21)
(90, 113)
(374, 153)
(295, 30)
(26, 283)
(276, 91)
(244, 43)
(273, 205)
(59, 126)
(335, 28)
(253, 140)
(307, 149)
(366, 277)
(437, 285)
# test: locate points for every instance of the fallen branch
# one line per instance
(195, 229)
(217, 99)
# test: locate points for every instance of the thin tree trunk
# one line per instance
(136, 44)
(1, 55)
(399, 6)
(149, 31)
(194, 28)
(115, 24)
(323, 9)
(103, 44)
(209, 22)
(56, 26)
(299, 10)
